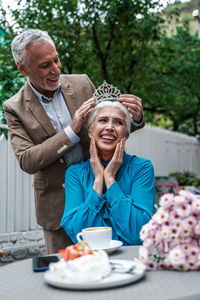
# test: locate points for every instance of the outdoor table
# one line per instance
(19, 282)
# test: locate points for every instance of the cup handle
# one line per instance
(79, 236)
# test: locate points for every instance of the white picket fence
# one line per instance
(167, 150)
(17, 211)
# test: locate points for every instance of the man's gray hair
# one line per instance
(114, 104)
(21, 41)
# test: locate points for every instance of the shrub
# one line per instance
(187, 178)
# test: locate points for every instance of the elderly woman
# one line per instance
(112, 188)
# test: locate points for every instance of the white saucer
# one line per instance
(112, 280)
(114, 245)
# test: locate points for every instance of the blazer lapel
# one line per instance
(34, 105)
(39, 113)
(73, 103)
(70, 99)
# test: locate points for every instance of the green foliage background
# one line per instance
(187, 179)
(127, 43)
(10, 79)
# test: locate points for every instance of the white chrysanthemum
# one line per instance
(166, 200)
(144, 232)
(186, 194)
(186, 248)
(179, 200)
(177, 224)
(148, 243)
(174, 232)
(193, 252)
(185, 231)
(166, 232)
(183, 210)
(198, 257)
(191, 221)
(174, 216)
(196, 206)
(183, 266)
(197, 229)
(162, 265)
(176, 256)
(151, 265)
(161, 216)
(152, 224)
(143, 254)
(198, 265)
(192, 264)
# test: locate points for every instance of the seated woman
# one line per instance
(112, 188)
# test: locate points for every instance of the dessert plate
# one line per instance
(114, 245)
(114, 279)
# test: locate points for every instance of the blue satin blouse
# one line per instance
(126, 206)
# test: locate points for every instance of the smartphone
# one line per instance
(41, 263)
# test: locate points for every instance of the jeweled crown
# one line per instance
(106, 92)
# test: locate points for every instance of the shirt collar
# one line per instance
(105, 163)
(42, 97)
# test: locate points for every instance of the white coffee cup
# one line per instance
(96, 237)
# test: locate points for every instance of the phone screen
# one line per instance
(41, 263)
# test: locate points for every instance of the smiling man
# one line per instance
(42, 65)
(46, 121)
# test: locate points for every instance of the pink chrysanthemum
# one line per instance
(171, 239)
(196, 206)
(183, 210)
(166, 200)
(161, 215)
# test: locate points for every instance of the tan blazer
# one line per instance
(39, 149)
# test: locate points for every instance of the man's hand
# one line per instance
(134, 105)
(115, 163)
(81, 115)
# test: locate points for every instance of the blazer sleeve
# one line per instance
(34, 147)
(135, 126)
(31, 156)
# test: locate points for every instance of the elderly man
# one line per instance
(46, 122)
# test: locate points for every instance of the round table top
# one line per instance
(18, 281)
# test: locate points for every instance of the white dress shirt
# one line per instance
(58, 113)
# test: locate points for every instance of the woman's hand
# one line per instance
(115, 163)
(97, 167)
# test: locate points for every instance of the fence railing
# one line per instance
(3, 126)
(169, 151)
(17, 210)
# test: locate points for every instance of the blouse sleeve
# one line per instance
(80, 212)
(129, 212)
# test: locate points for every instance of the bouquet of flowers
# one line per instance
(171, 239)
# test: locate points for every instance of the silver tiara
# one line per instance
(106, 92)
